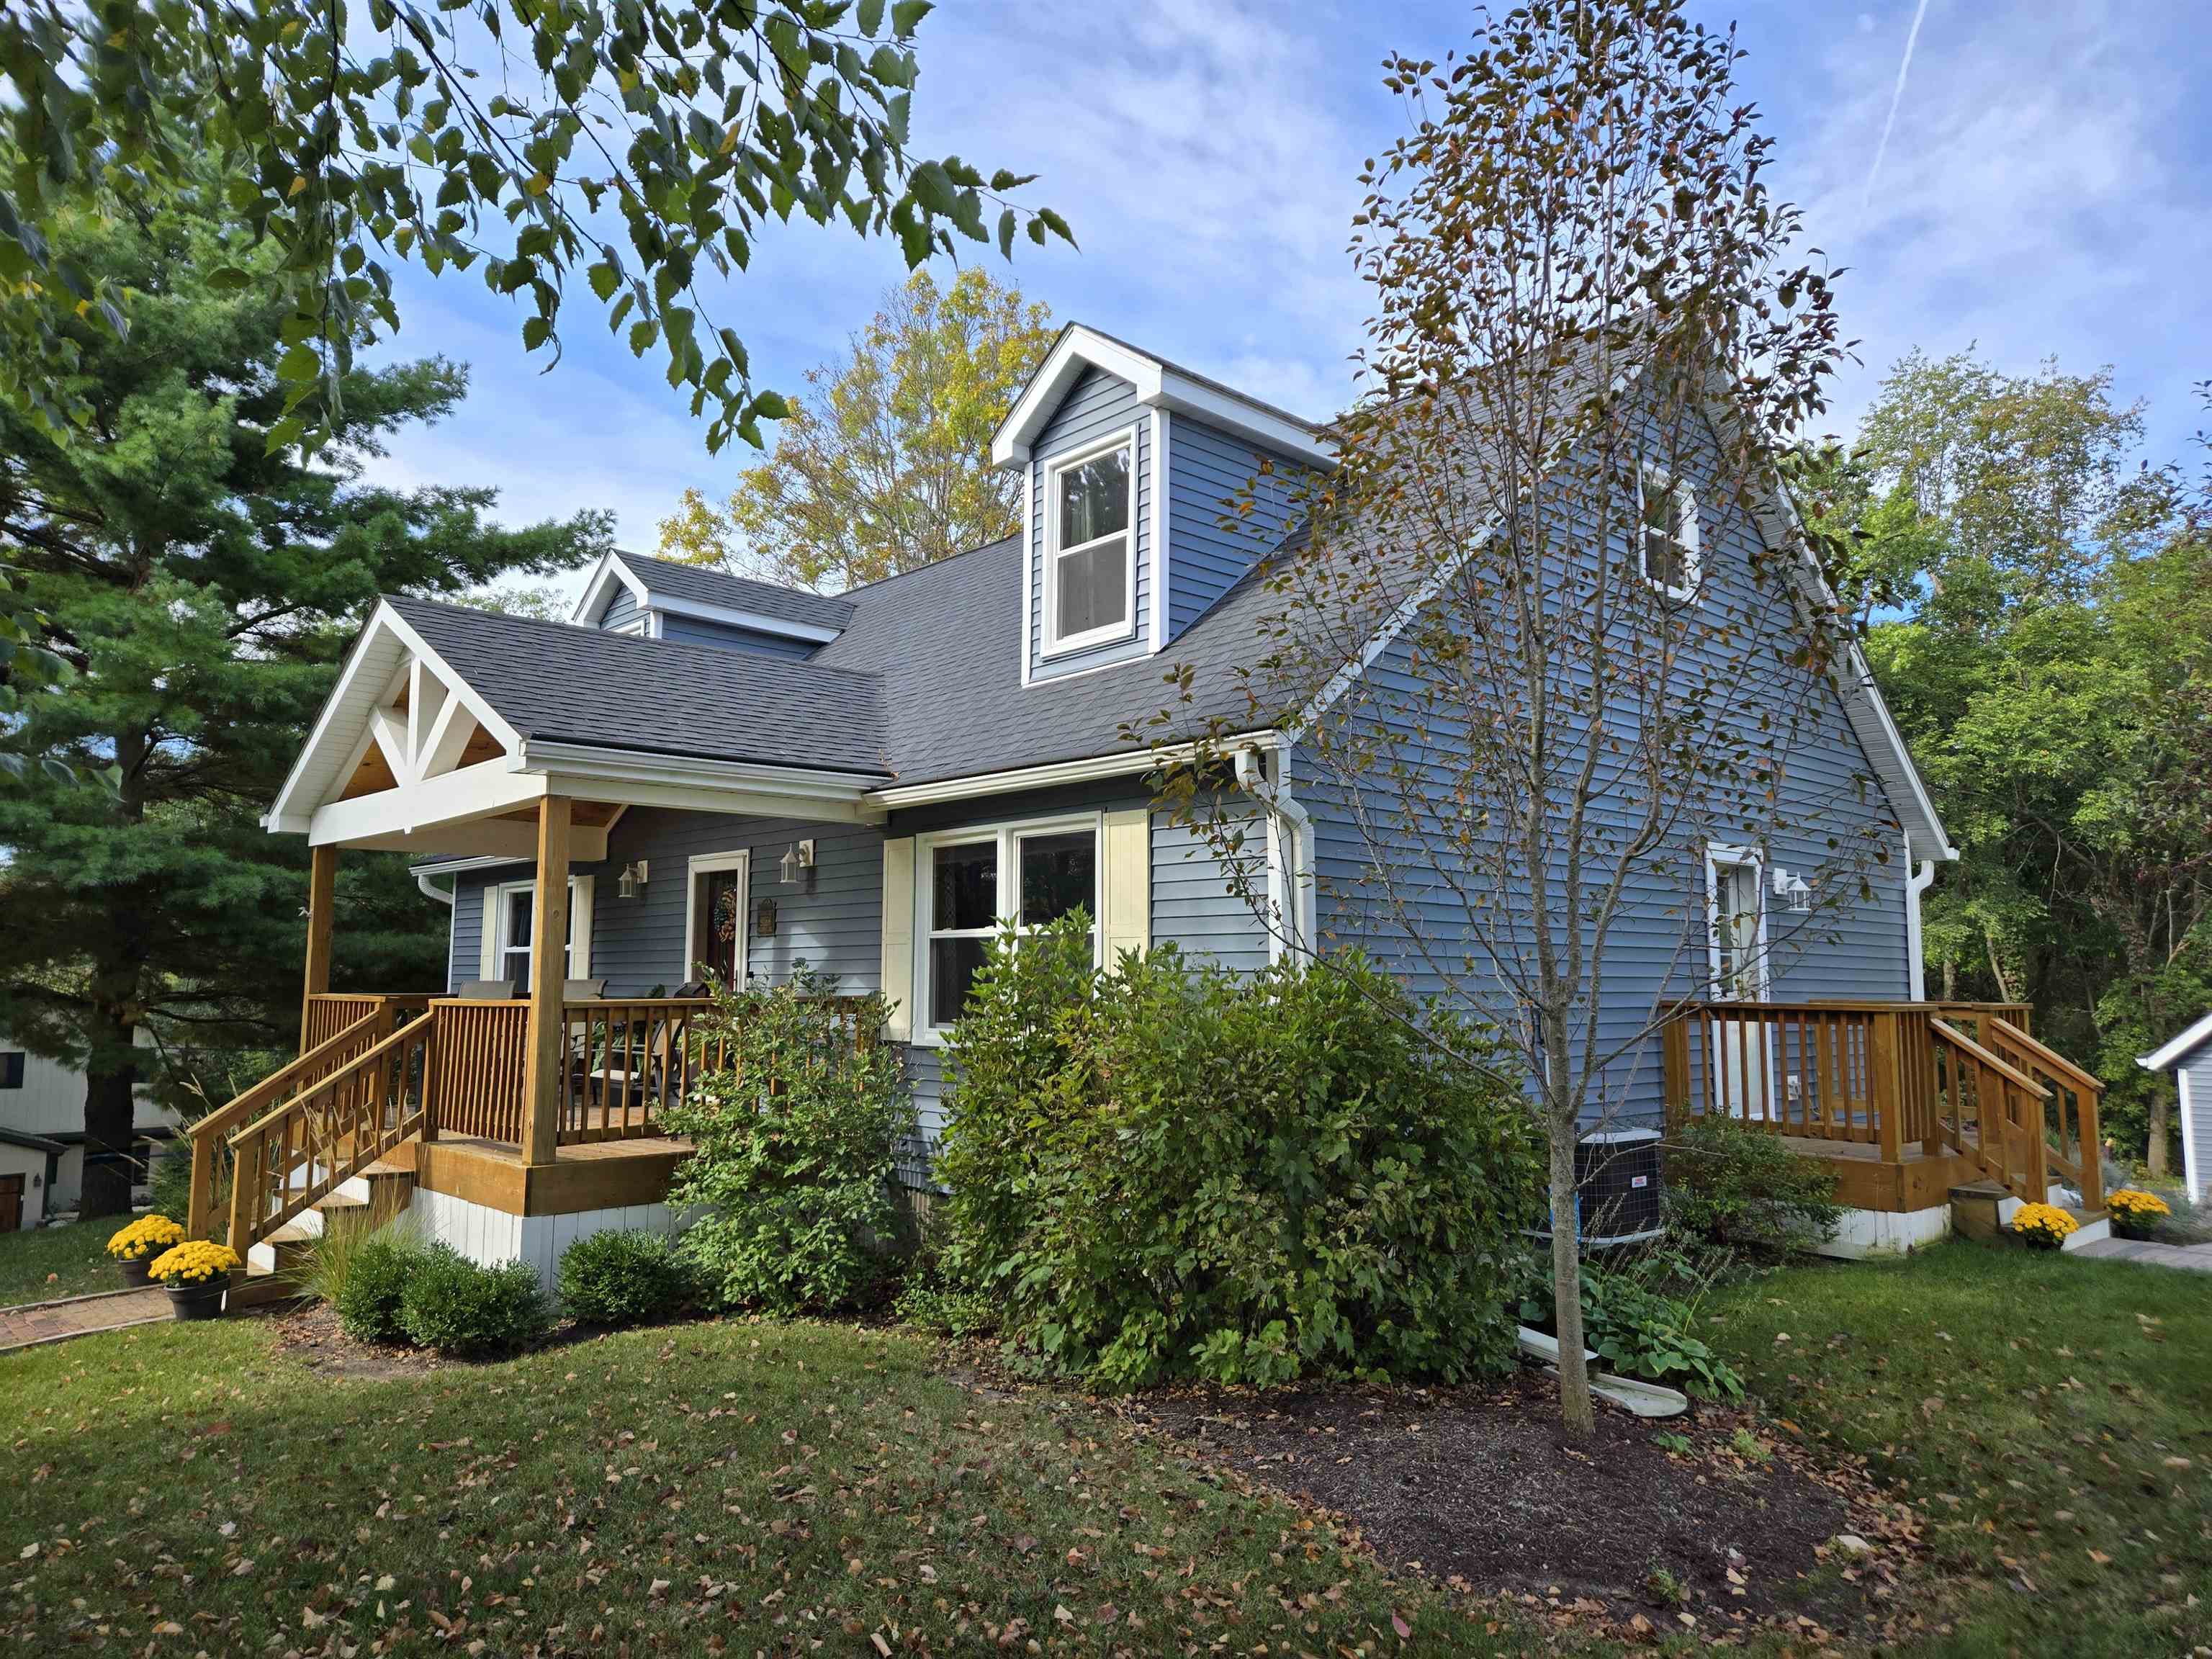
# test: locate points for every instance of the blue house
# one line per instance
(704, 775)
(2189, 1057)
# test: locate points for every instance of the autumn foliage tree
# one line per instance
(884, 462)
(1585, 298)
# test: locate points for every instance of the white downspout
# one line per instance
(1915, 884)
(1290, 878)
(444, 895)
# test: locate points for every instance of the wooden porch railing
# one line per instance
(330, 1131)
(347, 1025)
(1941, 1078)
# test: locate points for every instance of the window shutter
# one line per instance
(488, 919)
(1129, 853)
(581, 890)
(898, 937)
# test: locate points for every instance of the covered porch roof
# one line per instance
(448, 726)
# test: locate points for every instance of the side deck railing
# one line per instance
(1965, 1079)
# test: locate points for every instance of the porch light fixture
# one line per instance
(631, 881)
(1793, 889)
(796, 862)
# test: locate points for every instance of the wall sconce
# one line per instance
(1794, 889)
(797, 863)
(631, 881)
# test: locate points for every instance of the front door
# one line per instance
(1736, 914)
(715, 932)
(11, 1203)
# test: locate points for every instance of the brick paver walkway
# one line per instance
(2189, 1258)
(80, 1315)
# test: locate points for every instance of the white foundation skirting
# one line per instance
(493, 1237)
(1863, 1233)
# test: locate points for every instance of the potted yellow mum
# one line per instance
(2137, 1213)
(2043, 1226)
(135, 1246)
(195, 1275)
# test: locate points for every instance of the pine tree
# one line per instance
(202, 588)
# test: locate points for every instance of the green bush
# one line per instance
(1165, 1172)
(623, 1278)
(1732, 1183)
(796, 1143)
(376, 1275)
(469, 1312)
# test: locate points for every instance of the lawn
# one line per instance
(687, 1489)
(74, 1254)
(2049, 1419)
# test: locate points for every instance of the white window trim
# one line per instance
(1720, 855)
(704, 864)
(1052, 643)
(1647, 477)
(642, 625)
(499, 898)
(1008, 837)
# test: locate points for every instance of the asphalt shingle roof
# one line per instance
(561, 684)
(704, 585)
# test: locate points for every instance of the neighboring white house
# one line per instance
(2189, 1057)
(42, 1137)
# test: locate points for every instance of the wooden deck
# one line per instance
(599, 1175)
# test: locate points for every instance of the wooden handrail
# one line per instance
(1997, 1063)
(2063, 1077)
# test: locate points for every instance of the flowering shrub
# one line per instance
(2135, 1206)
(149, 1235)
(194, 1263)
(2044, 1226)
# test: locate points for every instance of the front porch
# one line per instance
(1907, 1103)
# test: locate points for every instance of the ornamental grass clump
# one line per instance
(1166, 1171)
(193, 1263)
(2043, 1226)
(146, 1237)
(2136, 1213)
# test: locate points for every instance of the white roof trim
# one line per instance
(1158, 386)
(386, 641)
(607, 572)
(2195, 1037)
(1121, 764)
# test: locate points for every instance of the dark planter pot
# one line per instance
(134, 1272)
(203, 1301)
(2144, 1231)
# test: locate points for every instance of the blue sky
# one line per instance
(2046, 190)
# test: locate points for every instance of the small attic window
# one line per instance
(1090, 564)
(1668, 534)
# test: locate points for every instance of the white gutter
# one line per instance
(1916, 965)
(444, 895)
(1289, 868)
(1127, 763)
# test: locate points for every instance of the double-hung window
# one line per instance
(1025, 874)
(1090, 552)
(511, 916)
(1667, 534)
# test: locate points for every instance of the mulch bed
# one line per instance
(1477, 1487)
(311, 1335)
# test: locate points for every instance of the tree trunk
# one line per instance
(1578, 1413)
(2160, 1118)
(110, 1100)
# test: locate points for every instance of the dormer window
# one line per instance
(1668, 534)
(1091, 565)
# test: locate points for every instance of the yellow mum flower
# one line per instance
(149, 1235)
(2133, 1204)
(2044, 1224)
(194, 1263)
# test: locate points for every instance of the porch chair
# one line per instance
(485, 990)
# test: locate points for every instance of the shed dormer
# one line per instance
(1129, 466)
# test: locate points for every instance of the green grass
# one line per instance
(2036, 1411)
(679, 1490)
(74, 1254)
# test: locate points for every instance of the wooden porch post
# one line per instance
(549, 930)
(322, 893)
(1886, 1100)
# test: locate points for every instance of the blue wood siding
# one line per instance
(620, 610)
(699, 632)
(1192, 906)
(1098, 407)
(1657, 949)
(2197, 1126)
(1209, 474)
